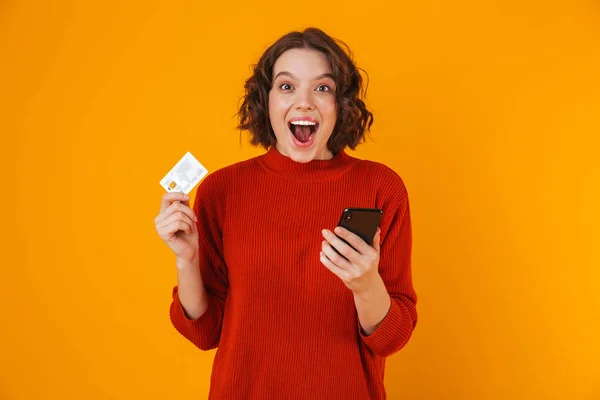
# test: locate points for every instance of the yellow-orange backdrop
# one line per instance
(490, 113)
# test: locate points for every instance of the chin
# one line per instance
(305, 154)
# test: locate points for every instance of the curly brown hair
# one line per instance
(353, 118)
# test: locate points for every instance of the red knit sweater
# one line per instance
(285, 327)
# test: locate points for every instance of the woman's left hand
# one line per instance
(359, 270)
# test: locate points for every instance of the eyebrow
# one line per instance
(286, 73)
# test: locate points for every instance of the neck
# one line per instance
(313, 170)
(325, 154)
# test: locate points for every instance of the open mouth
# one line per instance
(303, 130)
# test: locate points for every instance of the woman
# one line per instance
(258, 275)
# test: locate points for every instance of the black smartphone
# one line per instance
(362, 222)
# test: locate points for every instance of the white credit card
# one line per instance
(184, 175)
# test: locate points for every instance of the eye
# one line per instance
(285, 86)
(323, 88)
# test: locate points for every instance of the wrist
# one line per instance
(373, 290)
(187, 262)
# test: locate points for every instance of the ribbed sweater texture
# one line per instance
(284, 326)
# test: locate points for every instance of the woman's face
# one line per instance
(302, 106)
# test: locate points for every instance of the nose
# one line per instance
(305, 101)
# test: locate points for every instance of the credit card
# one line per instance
(184, 175)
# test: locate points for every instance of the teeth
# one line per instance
(303, 123)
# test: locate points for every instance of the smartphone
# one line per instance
(362, 222)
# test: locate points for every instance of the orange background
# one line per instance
(490, 113)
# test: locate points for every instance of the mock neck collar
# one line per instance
(315, 170)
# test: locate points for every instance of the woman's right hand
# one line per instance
(176, 225)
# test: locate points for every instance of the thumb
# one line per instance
(376, 240)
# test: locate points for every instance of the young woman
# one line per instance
(258, 274)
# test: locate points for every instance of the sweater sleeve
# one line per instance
(395, 269)
(205, 331)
